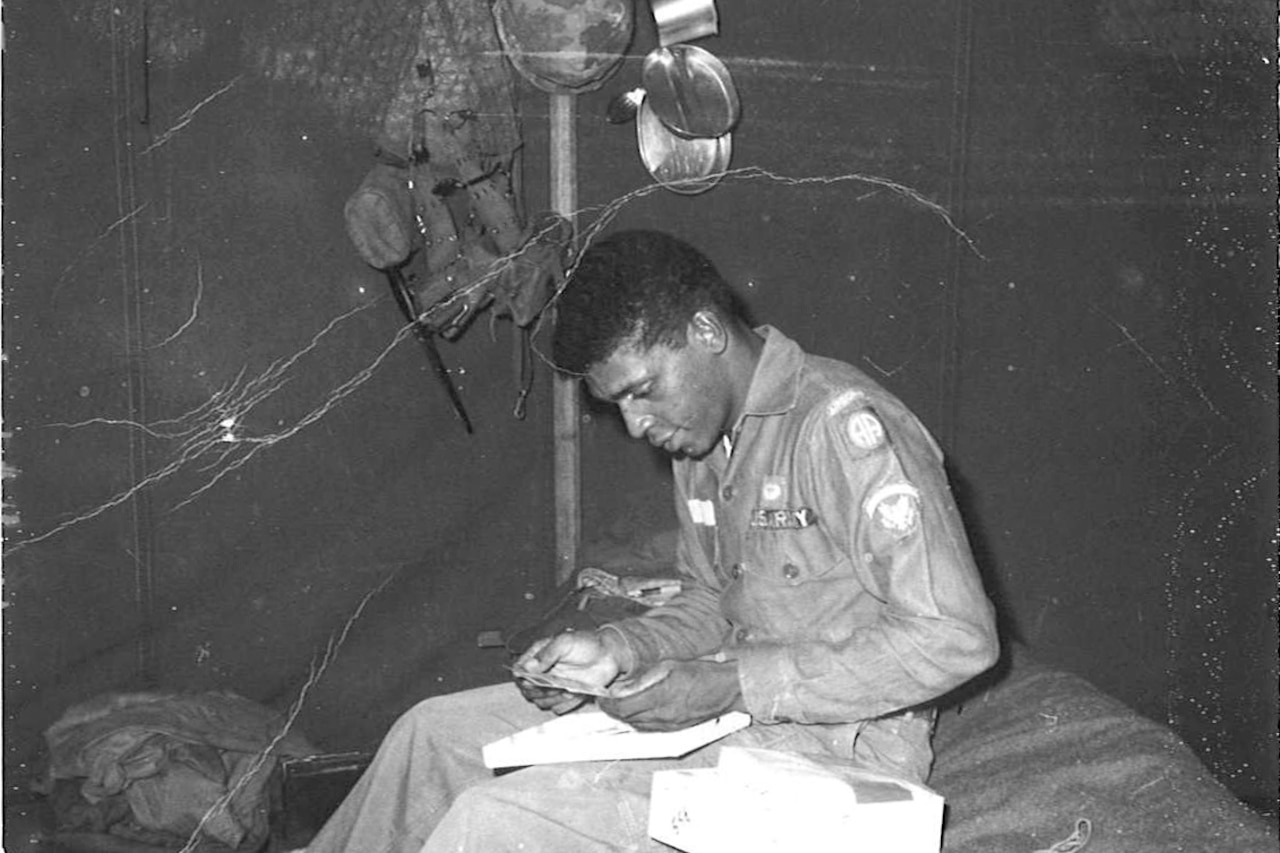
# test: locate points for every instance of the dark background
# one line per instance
(1096, 352)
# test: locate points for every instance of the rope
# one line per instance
(1075, 842)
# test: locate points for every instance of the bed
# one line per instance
(1033, 759)
(1037, 759)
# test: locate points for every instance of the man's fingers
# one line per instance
(632, 706)
(569, 703)
(627, 710)
(533, 691)
(544, 654)
(641, 683)
(549, 698)
(531, 653)
(546, 698)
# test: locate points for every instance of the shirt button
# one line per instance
(727, 493)
(742, 635)
(791, 571)
(868, 557)
(735, 571)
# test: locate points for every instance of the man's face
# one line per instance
(676, 399)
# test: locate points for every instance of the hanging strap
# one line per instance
(522, 351)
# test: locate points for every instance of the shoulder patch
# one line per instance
(864, 430)
(895, 508)
(843, 401)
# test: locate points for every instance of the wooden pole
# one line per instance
(565, 401)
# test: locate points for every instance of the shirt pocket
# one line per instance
(793, 558)
(794, 584)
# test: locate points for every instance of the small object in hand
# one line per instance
(559, 682)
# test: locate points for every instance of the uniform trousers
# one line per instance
(428, 791)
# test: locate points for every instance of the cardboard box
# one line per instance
(763, 801)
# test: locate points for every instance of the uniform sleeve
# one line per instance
(880, 487)
(691, 624)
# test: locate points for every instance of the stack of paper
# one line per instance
(592, 735)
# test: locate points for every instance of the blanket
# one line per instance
(1041, 761)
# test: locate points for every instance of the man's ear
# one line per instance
(707, 331)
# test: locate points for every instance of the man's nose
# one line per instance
(637, 422)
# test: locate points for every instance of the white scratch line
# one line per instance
(1147, 785)
(260, 760)
(195, 307)
(311, 417)
(208, 435)
(96, 240)
(605, 214)
(1124, 330)
(185, 118)
(881, 370)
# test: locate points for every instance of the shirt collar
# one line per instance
(775, 385)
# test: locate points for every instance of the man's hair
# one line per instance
(635, 287)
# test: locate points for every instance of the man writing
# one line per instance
(830, 589)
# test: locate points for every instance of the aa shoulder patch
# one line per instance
(895, 508)
(864, 430)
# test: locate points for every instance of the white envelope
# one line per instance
(764, 801)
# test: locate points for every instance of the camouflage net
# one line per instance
(174, 30)
(376, 63)
(427, 80)
(381, 63)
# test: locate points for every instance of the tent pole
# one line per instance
(565, 401)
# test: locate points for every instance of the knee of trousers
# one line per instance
(432, 717)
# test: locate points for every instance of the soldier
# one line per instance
(828, 588)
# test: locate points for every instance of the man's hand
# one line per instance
(583, 657)
(549, 698)
(675, 695)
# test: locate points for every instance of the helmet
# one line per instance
(565, 46)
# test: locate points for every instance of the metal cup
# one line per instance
(690, 90)
(684, 20)
(681, 164)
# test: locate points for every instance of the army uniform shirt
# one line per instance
(827, 557)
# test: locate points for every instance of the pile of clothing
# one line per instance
(163, 767)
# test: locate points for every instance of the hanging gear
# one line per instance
(439, 212)
(408, 306)
(380, 217)
(532, 273)
(448, 236)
